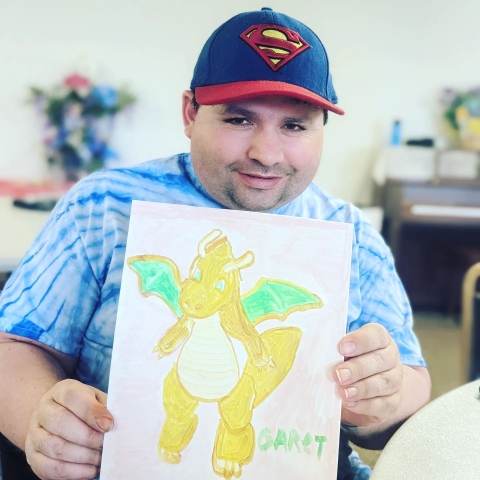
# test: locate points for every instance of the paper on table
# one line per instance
(458, 164)
(445, 211)
(405, 163)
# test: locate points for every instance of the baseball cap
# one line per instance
(263, 53)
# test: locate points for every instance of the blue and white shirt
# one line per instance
(65, 292)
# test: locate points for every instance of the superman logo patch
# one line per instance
(275, 44)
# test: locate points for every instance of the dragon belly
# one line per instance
(207, 364)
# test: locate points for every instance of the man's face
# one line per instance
(256, 154)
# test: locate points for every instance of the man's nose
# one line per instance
(266, 146)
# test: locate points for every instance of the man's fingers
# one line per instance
(379, 385)
(86, 402)
(60, 421)
(372, 411)
(368, 338)
(366, 365)
(52, 469)
(65, 435)
(101, 397)
(60, 449)
(371, 377)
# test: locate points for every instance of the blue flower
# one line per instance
(105, 95)
(60, 139)
(109, 153)
(96, 148)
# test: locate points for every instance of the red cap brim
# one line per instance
(232, 92)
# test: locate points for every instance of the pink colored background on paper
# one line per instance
(311, 253)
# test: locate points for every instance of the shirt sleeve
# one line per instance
(379, 296)
(52, 295)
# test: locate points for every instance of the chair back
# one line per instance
(471, 324)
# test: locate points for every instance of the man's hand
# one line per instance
(371, 378)
(65, 434)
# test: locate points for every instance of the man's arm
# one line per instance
(378, 392)
(59, 423)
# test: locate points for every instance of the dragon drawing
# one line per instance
(210, 310)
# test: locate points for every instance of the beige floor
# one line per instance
(439, 337)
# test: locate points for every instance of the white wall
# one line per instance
(389, 59)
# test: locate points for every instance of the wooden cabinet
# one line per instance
(433, 230)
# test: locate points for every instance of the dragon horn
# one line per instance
(213, 235)
(244, 261)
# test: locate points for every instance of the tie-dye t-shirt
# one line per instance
(65, 291)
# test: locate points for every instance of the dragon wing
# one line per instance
(271, 298)
(158, 276)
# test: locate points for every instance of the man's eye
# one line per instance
(237, 121)
(294, 127)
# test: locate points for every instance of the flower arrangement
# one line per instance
(462, 112)
(79, 121)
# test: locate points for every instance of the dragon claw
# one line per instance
(168, 456)
(157, 349)
(265, 364)
(227, 468)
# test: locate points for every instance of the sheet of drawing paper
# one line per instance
(227, 328)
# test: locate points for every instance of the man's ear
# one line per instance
(189, 113)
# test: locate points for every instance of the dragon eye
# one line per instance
(220, 286)
(197, 275)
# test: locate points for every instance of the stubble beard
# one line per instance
(248, 198)
(259, 201)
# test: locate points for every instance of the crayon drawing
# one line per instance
(227, 327)
(210, 309)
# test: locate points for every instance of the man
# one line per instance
(259, 98)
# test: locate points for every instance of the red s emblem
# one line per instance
(276, 45)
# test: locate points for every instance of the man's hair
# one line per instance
(196, 106)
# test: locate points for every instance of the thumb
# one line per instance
(86, 402)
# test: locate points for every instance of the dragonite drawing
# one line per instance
(210, 310)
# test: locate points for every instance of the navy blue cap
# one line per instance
(263, 53)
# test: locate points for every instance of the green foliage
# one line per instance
(452, 100)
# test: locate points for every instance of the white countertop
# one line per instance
(18, 229)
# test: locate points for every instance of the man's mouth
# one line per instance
(262, 182)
